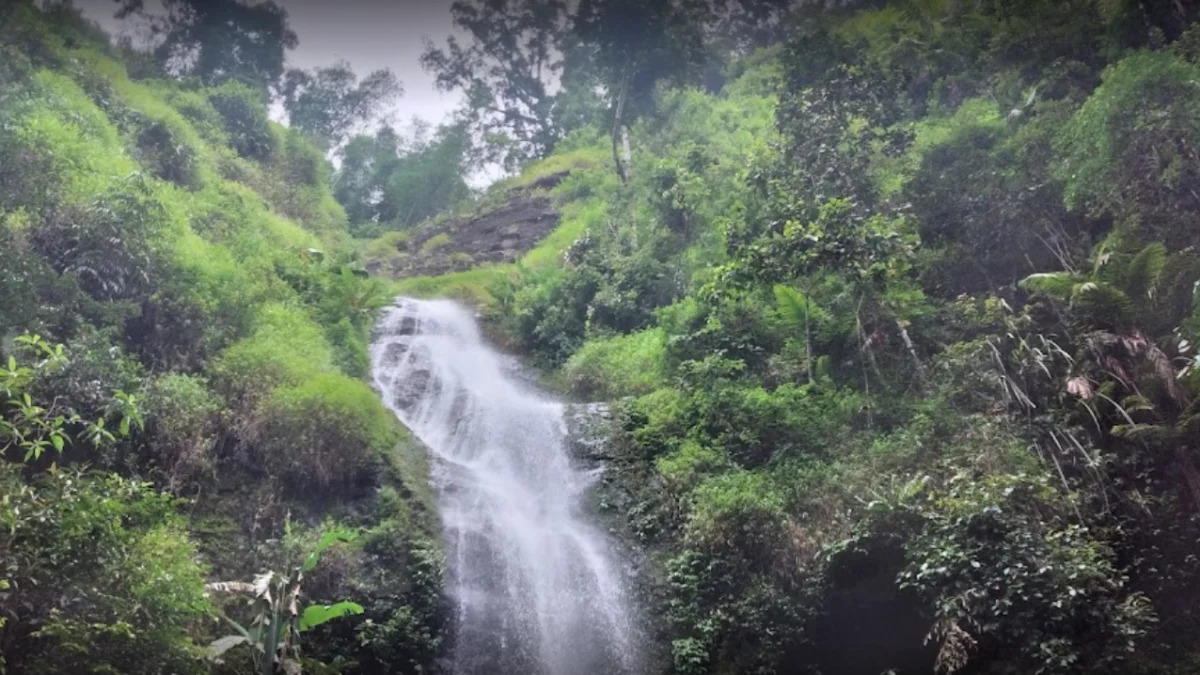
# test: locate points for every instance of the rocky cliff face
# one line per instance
(622, 484)
(500, 235)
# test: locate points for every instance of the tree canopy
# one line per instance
(219, 40)
(330, 102)
(508, 72)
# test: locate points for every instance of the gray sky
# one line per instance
(369, 34)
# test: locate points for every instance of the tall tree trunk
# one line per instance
(912, 350)
(618, 130)
(628, 155)
(863, 346)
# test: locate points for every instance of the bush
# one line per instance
(387, 244)
(115, 245)
(285, 349)
(350, 349)
(168, 157)
(622, 365)
(739, 512)
(95, 369)
(328, 436)
(1000, 558)
(104, 574)
(246, 121)
(436, 242)
(1130, 150)
(182, 421)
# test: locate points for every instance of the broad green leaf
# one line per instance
(221, 645)
(315, 615)
(327, 539)
(1061, 284)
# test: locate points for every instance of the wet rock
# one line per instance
(590, 431)
(393, 353)
(499, 235)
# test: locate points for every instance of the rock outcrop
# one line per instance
(589, 431)
(498, 235)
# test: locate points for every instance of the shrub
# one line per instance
(622, 365)
(285, 349)
(95, 369)
(436, 242)
(1130, 150)
(302, 162)
(182, 417)
(1000, 558)
(199, 111)
(328, 436)
(739, 513)
(245, 118)
(104, 574)
(350, 349)
(387, 244)
(115, 244)
(168, 157)
(204, 301)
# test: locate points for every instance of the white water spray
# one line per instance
(536, 587)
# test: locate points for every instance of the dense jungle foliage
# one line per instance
(182, 393)
(898, 317)
(893, 300)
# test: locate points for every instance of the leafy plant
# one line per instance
(33, 429)
(277, 616)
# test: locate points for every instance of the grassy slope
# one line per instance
(222, 292)
(844, 476)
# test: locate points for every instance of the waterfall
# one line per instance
(537, 588)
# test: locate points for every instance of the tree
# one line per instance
(218, 40)
(508, 72)
(388, 182)
(637, 45)
(329, 103)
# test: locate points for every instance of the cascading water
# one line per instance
(537, 589)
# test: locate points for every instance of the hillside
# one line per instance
(876, 320)
(897, 330)
(204, 416)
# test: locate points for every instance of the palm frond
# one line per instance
(792, 306)
(1059, 284)
(1140, 278)
(1104, 302)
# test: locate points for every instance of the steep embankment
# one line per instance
(493, 236)
(187, 253)
(899, 332)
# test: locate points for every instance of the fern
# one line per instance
(1140, 278)
(793, 306)
(1058, 284)
(1104, 302)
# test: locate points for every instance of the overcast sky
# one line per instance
(369, 34)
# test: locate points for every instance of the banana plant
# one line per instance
(278, 618)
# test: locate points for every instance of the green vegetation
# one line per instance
(436, 242)
(899, 323)
(894, 303)
(193, 409)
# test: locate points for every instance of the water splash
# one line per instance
(537, 588)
